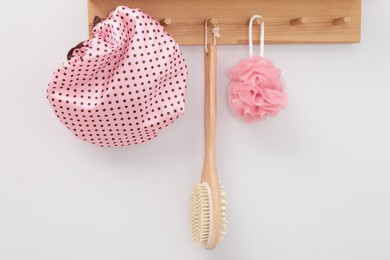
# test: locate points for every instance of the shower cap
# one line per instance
(123, 86)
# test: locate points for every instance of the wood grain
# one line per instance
(209, 173)
(188, 19)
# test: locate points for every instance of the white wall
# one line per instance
(312, 183)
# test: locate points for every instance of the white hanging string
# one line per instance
(215, 32)
(262, 27)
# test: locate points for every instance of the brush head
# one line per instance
(201, 214)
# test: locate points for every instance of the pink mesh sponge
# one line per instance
(124, 85)
(257, 89)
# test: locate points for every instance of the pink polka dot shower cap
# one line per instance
(123, 86)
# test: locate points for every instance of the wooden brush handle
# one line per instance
(210, 103)
(209, 174)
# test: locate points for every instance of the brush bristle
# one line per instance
(223, 213)
(201, 214)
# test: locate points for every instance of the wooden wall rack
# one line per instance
(287, 21)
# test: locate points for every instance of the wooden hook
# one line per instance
(166, 21)
(299, 20)
(342, 20)
(257, 21)
(213, 21)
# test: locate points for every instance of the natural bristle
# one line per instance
(223, 213)
(200, 214)
(201, 209)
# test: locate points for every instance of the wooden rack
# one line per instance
(287, 21)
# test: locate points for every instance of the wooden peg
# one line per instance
(342, 20)
(257, 21)
(166, 21)
(213, 21)
(299, 20)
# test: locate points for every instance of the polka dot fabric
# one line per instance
(123, 86)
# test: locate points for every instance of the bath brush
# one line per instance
(208, 205)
